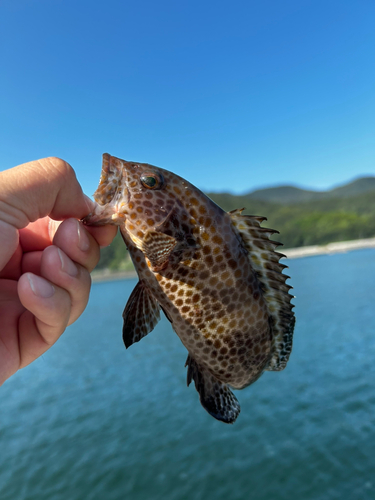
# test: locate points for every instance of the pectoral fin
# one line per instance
(216, 398)
(158, 247)
(141, 315)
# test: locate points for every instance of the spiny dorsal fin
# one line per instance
(265, 261)
(141, 315)
(216, 398)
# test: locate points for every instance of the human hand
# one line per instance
(44, 264)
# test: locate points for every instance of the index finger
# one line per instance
(39, 188)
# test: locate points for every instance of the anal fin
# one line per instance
(215, 397)
(141, 315)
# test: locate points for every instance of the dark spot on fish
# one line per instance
(217, 239)
(204, 275)
(206, 250)
(213, 281)
(195, 298)
(209, 260)
(238, 273)
(216, 307)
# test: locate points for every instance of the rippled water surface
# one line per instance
(90, 420)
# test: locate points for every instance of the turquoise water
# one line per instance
(92, 421)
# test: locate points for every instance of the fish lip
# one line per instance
(112, 166)
(108, 200)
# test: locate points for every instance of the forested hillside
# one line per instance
(302, 217)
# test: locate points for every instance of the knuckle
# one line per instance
(61, 168)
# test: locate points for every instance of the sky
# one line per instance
(231, 95)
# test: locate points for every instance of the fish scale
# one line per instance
(215, 275)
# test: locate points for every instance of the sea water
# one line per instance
(92, 421)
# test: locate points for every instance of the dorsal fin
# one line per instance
(265, 261)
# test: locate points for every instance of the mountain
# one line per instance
(356, 187)
(291, 194)
(285, 194)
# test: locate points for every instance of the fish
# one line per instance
(216, 276)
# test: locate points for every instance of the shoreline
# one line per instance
(329, 248)
(290, 253)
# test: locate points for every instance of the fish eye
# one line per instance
(152, 181)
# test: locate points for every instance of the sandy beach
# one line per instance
(330, 248)
(290, 253)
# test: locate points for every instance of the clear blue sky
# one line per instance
(231, 95)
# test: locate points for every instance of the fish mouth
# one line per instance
(112, 194)
(110, 179)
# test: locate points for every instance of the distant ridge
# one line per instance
(291, 194)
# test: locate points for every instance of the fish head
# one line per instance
(142, 199)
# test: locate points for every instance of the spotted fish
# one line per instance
(215, 275)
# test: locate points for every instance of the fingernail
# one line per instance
(41, 287)
(67, 265)
(53, 226)
(83, 239)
